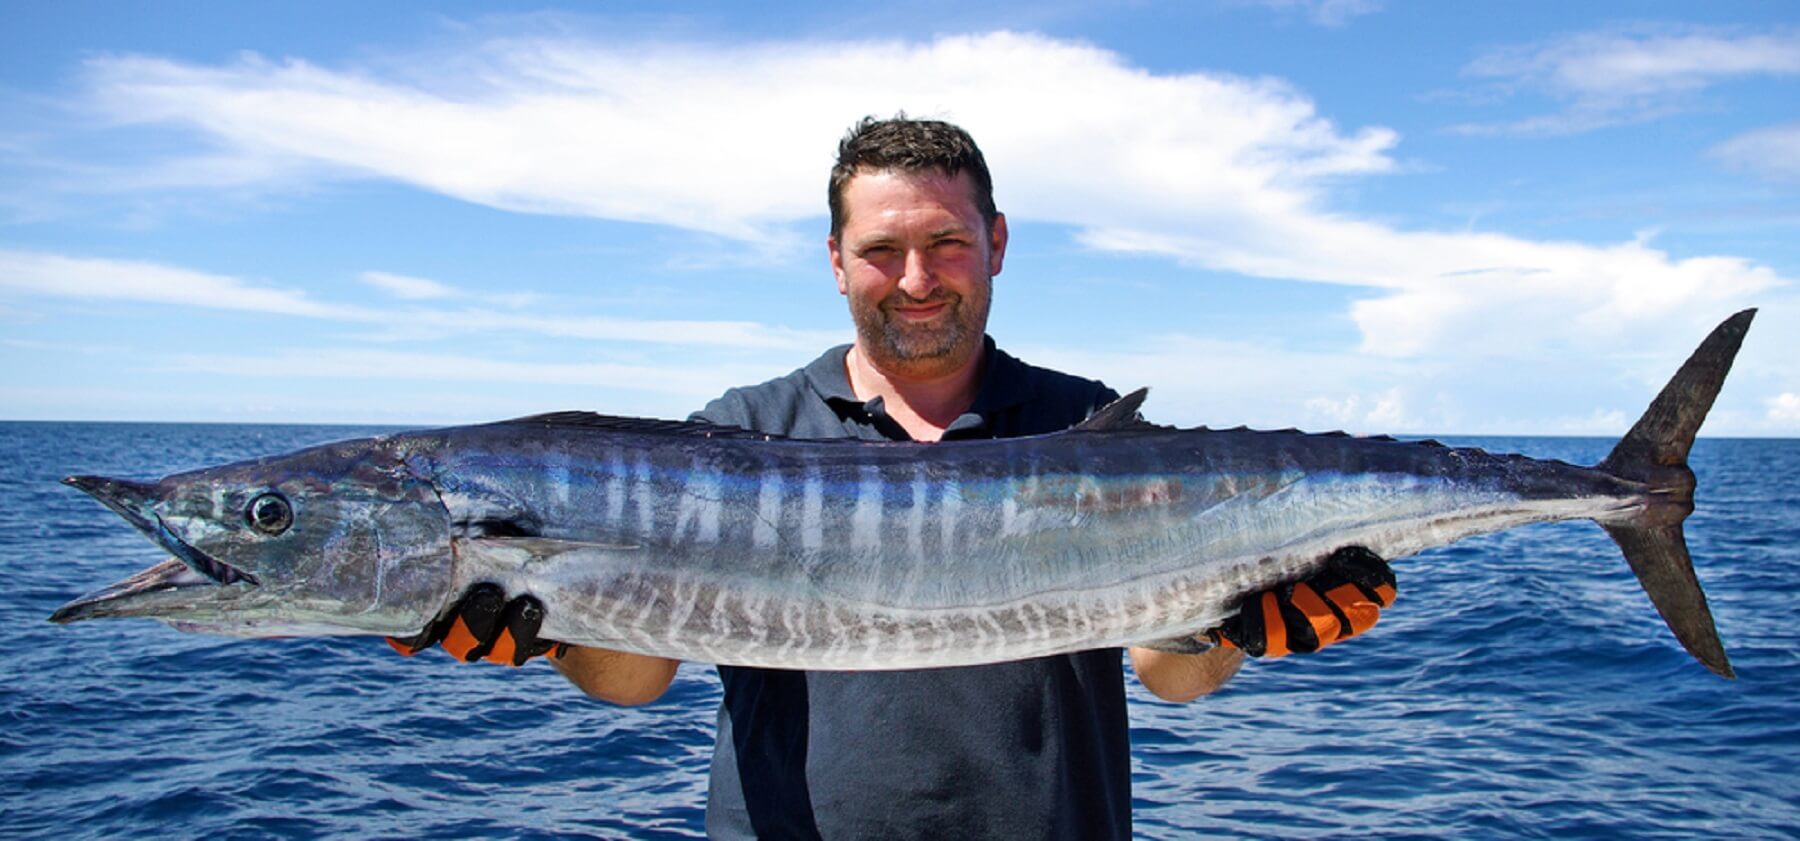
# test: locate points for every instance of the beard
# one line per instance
(923, 348)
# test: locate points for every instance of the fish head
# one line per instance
(340, 539)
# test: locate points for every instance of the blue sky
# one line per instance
(1376, 216)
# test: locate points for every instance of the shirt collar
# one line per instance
(1004, 383)
(1003, 380)
(830, 377)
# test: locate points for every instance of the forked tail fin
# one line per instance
(1655, 453)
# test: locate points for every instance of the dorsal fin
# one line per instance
(592, 420)
(1119, 414)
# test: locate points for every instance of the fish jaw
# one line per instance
(135, 502)
(188, 582)
(172, 593)
(170, 586)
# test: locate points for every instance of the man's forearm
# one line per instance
(616, 676)
(1184, 677)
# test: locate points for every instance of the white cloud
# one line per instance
(636, 133)
(62, 347)
(1202, 380)
(737, 334)
(1771, 152)
(55, 275)
(48, 276)
(406, 287)
(1266, 382)
(1627, 76)
(1381, 412)
(409, 288)
(695, 382)
(1630, 65)
(1214, 170)
(1784, 408)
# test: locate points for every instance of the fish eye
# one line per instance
(270, 514)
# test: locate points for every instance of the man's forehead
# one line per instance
(869, 182)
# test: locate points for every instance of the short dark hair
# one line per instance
(903, 144)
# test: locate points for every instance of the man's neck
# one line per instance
(923, 406)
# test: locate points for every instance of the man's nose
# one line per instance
(919, 280)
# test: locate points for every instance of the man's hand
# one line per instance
(1341, 600)
(484, 625)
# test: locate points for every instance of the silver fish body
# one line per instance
(856, 556)
(715, 545)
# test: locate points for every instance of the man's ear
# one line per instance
(996, 244)
(837, 264)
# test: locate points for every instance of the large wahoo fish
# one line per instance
(718, 545)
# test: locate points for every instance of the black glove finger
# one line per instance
(531, 619)
(1309, 622)
(518, 640)
(475, 623)
(1359, 566)
(1356, 584)
(477, 601)
(1290, 619)
(1259, 628)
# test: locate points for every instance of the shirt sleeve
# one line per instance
(728, 409)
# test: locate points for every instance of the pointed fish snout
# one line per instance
(106, 487)
(127, 498)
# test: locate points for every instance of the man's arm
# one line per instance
(1183, 677)
(616, 677)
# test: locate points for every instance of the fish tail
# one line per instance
(1655, 453)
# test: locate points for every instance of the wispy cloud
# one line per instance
(407, 288)
(1772, 152)
(748, 335)
(1323, 12)
(84, 348)
(59, 276)
(1608, 78)
(1785, 408)
(38, 275)
(1265, 385)
(1214, 170)
(337, 363)
(1383, 411)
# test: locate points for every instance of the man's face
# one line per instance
(917, 265)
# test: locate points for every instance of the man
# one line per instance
(1033, 749)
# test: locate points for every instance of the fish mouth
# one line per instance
(144, 594)
(133, 501)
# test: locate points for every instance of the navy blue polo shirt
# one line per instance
(1031, 749)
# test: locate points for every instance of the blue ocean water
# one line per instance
(1522, 687)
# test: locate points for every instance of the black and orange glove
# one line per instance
(484, 625)
(1343, 599)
